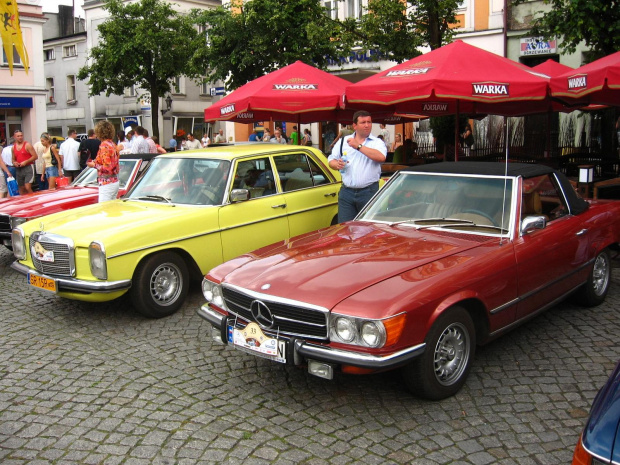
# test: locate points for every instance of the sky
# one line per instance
(51, 6)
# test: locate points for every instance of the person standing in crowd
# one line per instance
(358, 157)
(140, 145)
(4, 175)
(151, 143)
(344, 131)
(160, 149)
(24, 157)
(266, 135)
(295, 136)
(106, 161)
(386, 136)
(192, 142)
(53, 161)
(307, 140)
(173, 144)
(254, 136)
(398, 141)
(220, 138)
(7, 158)
(88, 148)
(205, 141)
(39, 165)
(70, 157)
(277, 137)
(129, 137)
(122, 144)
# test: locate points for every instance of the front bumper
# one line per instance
(310, 350)
(77, 285)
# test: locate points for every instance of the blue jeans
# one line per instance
(12, 170)
(352, 201)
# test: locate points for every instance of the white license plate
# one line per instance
(252, 339)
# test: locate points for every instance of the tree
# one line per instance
(595, 22)
(399, 28)
(146, 44)
(250, 39)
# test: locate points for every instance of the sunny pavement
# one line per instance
(98, 384)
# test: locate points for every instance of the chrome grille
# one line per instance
(292, 320)
(5, 225)
(63, 264)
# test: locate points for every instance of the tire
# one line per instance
(442, 369)
(595, 289)
(160, 285)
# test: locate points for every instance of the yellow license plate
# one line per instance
(42, 283)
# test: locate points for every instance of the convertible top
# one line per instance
(527, 170)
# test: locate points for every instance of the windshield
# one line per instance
(88, 176)
(468, 203)
(191, 181)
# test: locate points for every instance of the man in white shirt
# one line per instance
(205, 140)
(139, 143)
(192, 142)
(70, 157)
(220, 138)
(5, 173)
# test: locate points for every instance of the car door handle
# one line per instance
(581, 233)
(333, 194)
(283, 205)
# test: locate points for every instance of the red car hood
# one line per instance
(48, 202)
(327, 266)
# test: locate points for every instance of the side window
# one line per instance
(294, 171)
(542, 197)
(255, 175)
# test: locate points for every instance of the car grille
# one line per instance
(5, 225)
(63, 264)
(289, 319)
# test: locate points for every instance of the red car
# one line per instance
(446, 256)
(82, 191)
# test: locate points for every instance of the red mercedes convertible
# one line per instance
(445, 257)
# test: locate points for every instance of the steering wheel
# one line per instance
(483, 214)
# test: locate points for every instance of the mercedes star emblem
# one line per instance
(262, 314)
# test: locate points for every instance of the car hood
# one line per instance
(325, 267)
(124, 225)
(601, 436)
(47, 202)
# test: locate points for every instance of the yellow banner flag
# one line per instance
(11, 33)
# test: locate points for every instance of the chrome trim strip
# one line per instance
(505, 306)
(273, 298)
(72, 284)
(216, 319)
(161, 243)
(345, 357)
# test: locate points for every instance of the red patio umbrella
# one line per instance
(298, 92)
(597, 82)
(552, 68)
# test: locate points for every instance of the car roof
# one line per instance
(228, 152)
(137, 156)
(527, 170)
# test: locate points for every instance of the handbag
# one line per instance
(11, 183)
(62, 181)
(54, 160)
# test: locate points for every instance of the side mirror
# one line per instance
(239, 195)
(530, 223)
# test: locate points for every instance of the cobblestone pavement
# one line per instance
(98, 384)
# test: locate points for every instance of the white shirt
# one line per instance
(139, 145)
(69, 151)
(360, 171)
(7, 155)
(206, 141)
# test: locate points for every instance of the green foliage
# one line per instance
(261, 36)
(596, 22)
(398, 29)
(146, 44)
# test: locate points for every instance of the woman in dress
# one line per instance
(106, 162)
(53, 161)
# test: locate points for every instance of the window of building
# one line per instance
(49, 54)
(17, 61)
(331, 9)
(178, 85)
(70, 51)
(49, 85)
(204, 88)
(130, 91)
(71, 95)
(354, 9)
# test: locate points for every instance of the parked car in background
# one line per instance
(190, 211)
(444, 257)
(82, 191)
(600, 441)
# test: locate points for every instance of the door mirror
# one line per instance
(239, 195)
(530, 223)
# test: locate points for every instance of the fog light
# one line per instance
(321, 369)
(216, 335)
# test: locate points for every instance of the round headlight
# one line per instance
(207, 290)
(373, 333)
(345, 329)
(218, 298)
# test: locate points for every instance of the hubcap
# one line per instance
(166, 284)
(600, 274)
(451, 354)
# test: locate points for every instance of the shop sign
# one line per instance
(15, 102)
(538, 46)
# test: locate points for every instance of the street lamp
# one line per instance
(168, 101)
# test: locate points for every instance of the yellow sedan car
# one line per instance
(189, 212)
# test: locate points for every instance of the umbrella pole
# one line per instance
(298, 129)
(456, 133)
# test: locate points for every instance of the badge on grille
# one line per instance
(40, 253)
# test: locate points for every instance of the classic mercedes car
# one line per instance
(599, 443)
(82, 191)
(444, 257)
(188, 212)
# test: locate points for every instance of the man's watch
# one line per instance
(360, 146)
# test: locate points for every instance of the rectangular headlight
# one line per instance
(97, 260)
(15, 221)
(19, 243)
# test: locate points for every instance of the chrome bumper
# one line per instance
(326, 354)
(77, 285)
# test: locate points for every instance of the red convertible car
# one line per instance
(82, 191)
(446, 256)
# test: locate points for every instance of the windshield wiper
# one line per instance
(434, 221)
(157, 198)
(476, 225)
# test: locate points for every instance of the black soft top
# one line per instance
(527, 170)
